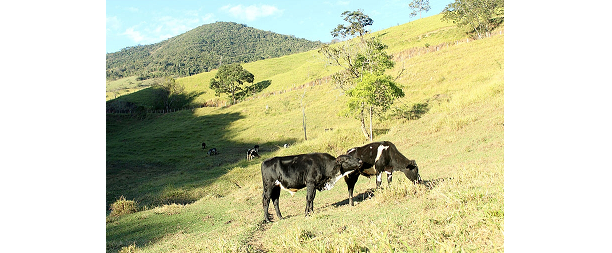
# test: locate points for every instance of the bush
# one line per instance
(123, 206)
(129, 249)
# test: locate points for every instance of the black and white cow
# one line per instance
(212, 151)
(204, 145)
(378, 158)
(252, 152)
(315, 171)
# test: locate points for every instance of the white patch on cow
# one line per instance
(379, 177)
(389, 172)
(291, 191)
(380, 150)
(330, 184)
(351, 150)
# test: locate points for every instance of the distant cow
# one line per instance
(378, 158)
(212, 151)
(252, 152)
(204, 145)
(315, 171)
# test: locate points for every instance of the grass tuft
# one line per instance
(123, 206)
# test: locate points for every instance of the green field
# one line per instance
(189, 201)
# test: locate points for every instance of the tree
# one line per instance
(357, 20)
(418, 6)
(363, 63)
(375, 92)
(231, 79)
(167, 92)
(482, 16)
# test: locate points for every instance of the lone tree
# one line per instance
(419, 6)
(357, 20)
(363, 65)
(482, 16)
(168, 93)
(231, 79)
(375, 93)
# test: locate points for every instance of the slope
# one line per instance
(457, 143)
(202, 49)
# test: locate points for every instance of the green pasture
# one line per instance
(191, 202)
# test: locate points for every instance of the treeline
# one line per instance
(202, 49)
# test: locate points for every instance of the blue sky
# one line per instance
(130, 23)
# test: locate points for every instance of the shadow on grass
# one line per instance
(369, 193)
(159, 160)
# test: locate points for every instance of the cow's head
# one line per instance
(412, 171)
(344, 165)
(348, 163)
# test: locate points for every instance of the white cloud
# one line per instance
(132, 9)
(136, 36)
(251, 12)
(112, 23)
(164, 27)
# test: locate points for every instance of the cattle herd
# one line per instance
(321, 171)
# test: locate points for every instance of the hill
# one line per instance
(189, 201)
(202, 49)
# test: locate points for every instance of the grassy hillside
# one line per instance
(202, 49)
(194, 202)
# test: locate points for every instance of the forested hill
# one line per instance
(202, 49)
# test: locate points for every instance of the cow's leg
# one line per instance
(389, 177)
(267, 192)
(350, 180)
(310, 195)
(275, 196)
(378, 179)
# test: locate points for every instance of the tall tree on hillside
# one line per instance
(231, 79)
(482, 16)
(357, 23)
(375, 93)
(419, 6)
(363, 63)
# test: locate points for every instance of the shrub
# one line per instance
(123, 206)
(129, 249)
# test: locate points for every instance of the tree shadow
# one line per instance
(411, 112)
(253, 89)
(381, 131)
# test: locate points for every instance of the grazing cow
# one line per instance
(315, 171)
(252, 152)
(203, 145)
(212, 151)
(378, 158)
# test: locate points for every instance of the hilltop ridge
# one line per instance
(202, 49)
